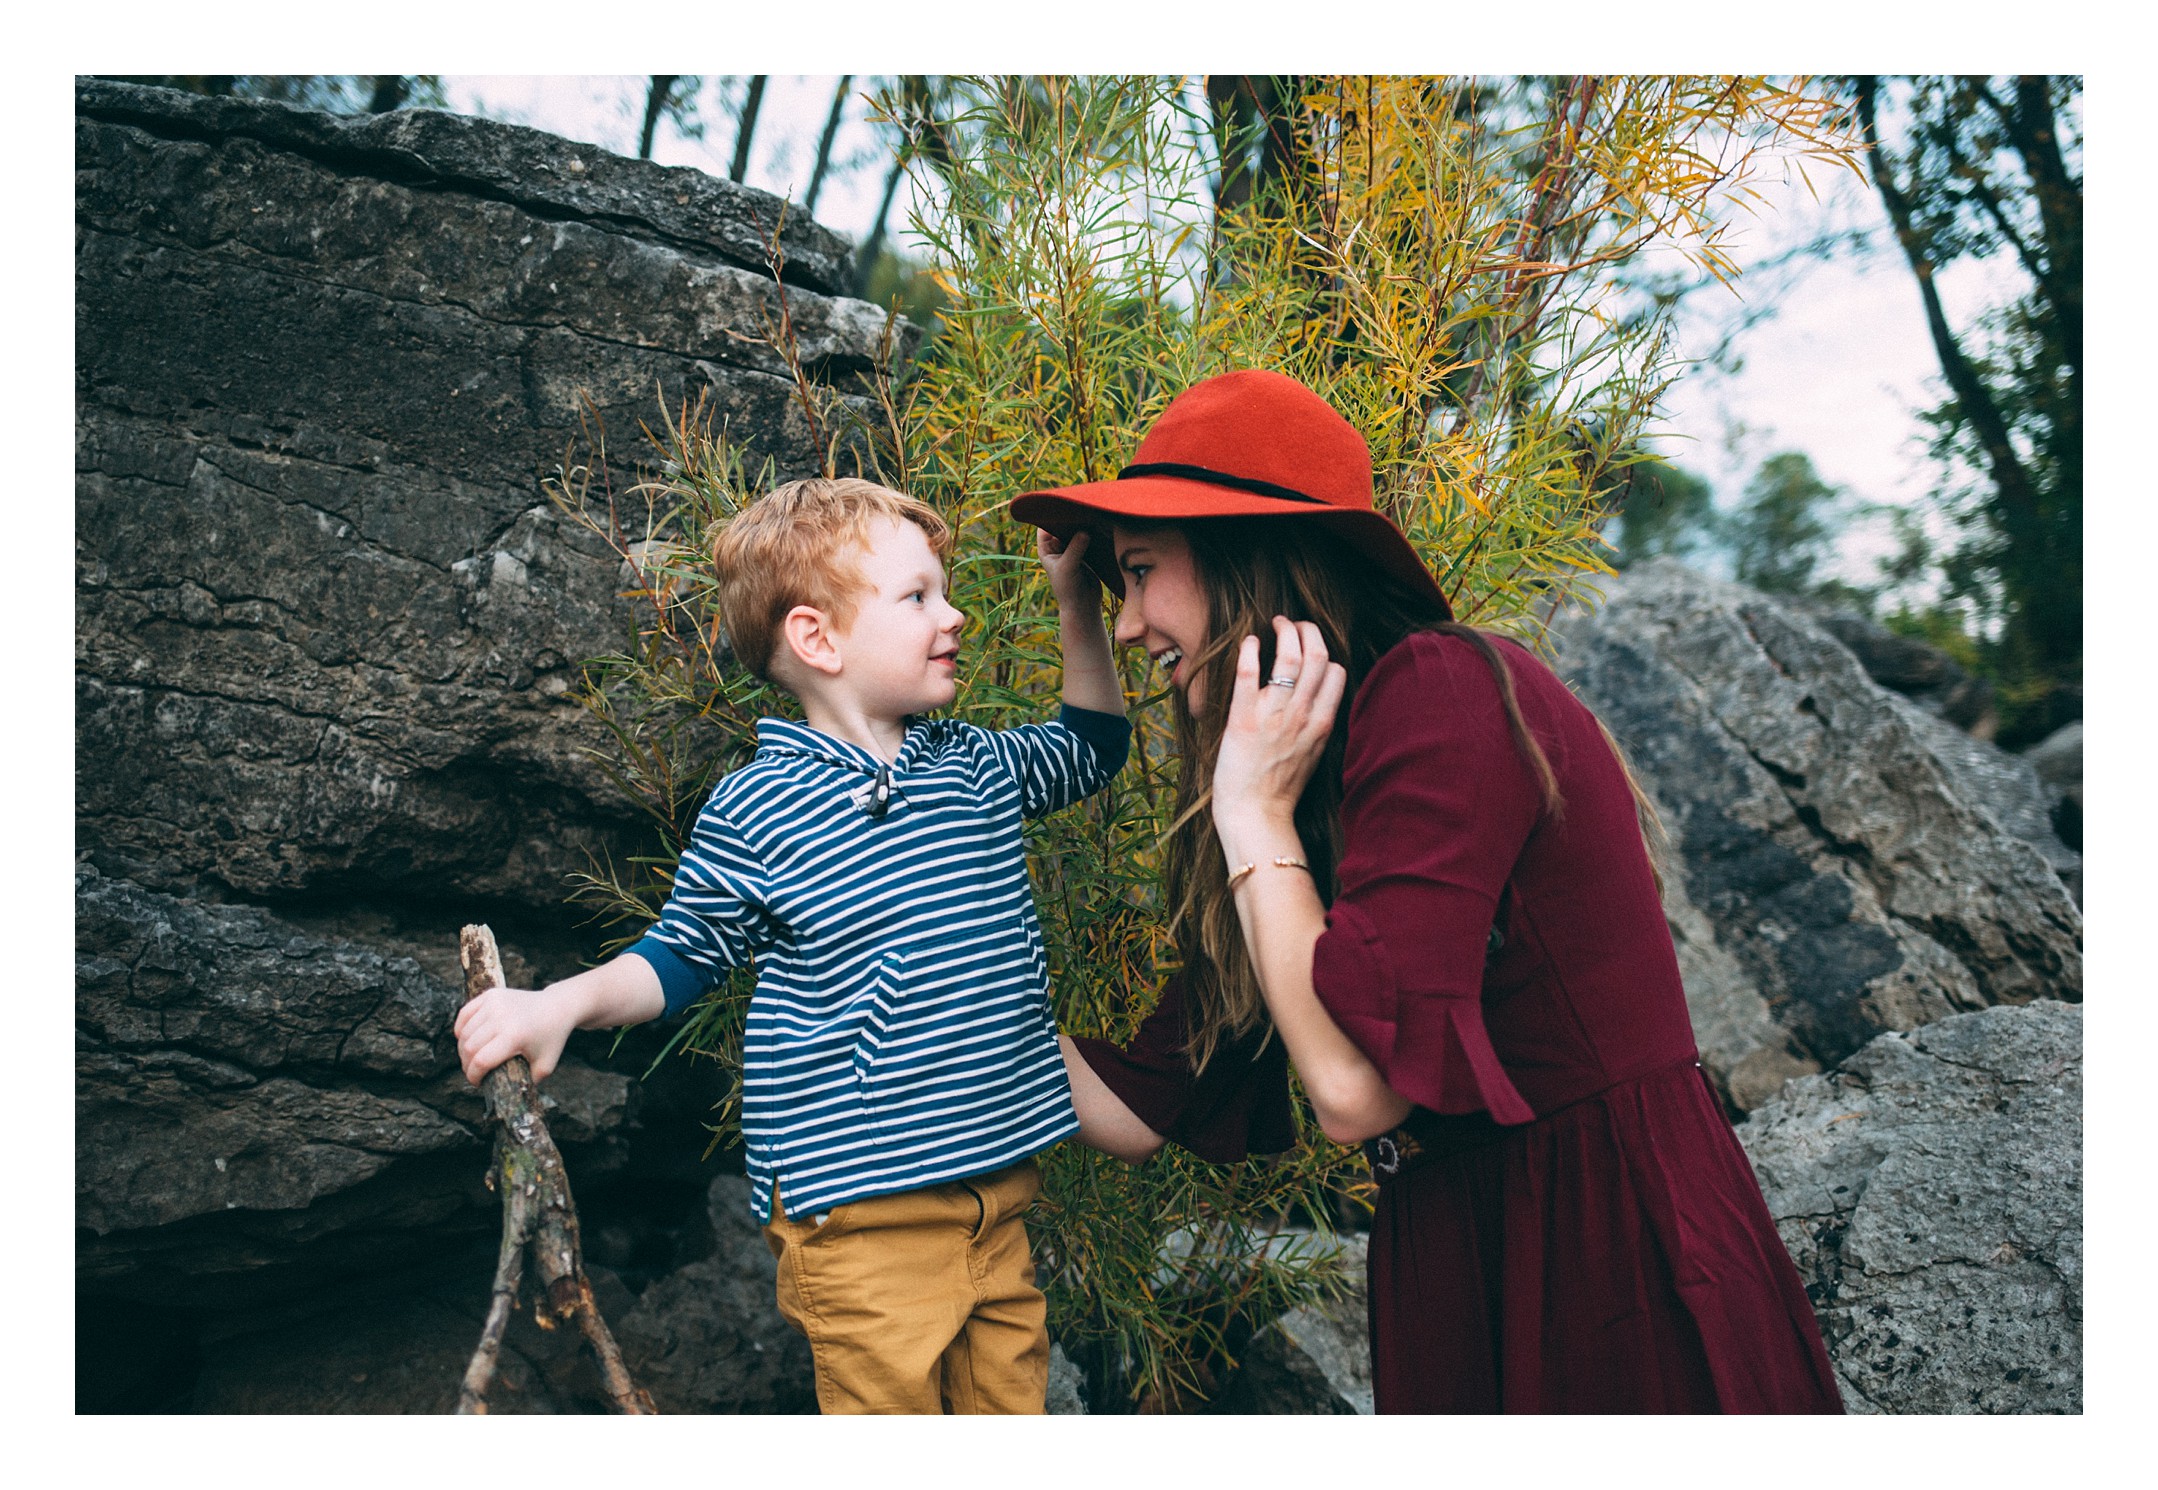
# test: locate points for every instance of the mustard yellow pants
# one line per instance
(920, 1302)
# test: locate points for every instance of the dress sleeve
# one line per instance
(1238, 1105)
(1436, 807)
(1056, 764)
(715, 920)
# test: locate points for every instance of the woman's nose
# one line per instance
(1129, 626)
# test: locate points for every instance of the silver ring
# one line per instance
(1281, 682)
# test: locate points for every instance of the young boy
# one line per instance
(900, 1066)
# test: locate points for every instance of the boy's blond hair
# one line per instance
(801, 544)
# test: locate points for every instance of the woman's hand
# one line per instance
(1277, 730)
(1073, 584)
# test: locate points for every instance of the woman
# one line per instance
(1409, 859)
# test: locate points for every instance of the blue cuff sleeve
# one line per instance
(1108, 734)
(682, 983)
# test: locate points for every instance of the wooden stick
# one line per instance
(537, 1216)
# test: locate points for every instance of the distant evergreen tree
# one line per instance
(1784, 527)
(1663, 511)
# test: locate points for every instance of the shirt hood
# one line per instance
(789, 737)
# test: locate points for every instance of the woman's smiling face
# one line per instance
(1165, 608)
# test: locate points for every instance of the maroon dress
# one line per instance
(1581, 1231)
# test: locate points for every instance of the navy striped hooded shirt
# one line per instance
(900, 1033)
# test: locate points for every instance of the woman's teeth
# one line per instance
(1170, 659)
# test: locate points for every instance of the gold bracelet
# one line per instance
(1283, 860)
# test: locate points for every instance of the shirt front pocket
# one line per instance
(895, 1065)
(880, 1004)
(883, 1002)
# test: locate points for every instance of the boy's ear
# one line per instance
(807, 636)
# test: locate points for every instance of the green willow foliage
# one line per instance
(1439, 259)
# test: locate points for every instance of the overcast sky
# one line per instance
(1838, 371)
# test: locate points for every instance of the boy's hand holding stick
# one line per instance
(536, 1212)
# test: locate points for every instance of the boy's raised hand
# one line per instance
(533, 1023)
(1090, 676)
(1065, 558)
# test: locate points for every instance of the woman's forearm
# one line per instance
(1282, 920)
(1105, 1121)
(1090, 676)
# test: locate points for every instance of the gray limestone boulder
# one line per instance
(1930, 1189)
(330, 632)
(1315, 1359)
(1067, 1386)
(1274, 1375)
(1335, 1336)
(1841, 862)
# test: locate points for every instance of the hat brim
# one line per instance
(1065, 510)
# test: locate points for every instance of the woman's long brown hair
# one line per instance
(1250, 571)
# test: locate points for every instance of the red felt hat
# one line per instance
(1244, 444)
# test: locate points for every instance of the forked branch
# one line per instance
(538, 1217)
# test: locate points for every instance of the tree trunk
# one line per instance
(866, 260)
(2019, 501)
(2052, 620)
(2060, 211)
(655, 104)
(824, 145)
(1235, 109)
(538, 1217)
(747, 129)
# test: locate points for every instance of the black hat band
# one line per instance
(1219, 478)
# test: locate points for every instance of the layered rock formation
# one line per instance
(1841, 863)
(329, 632)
